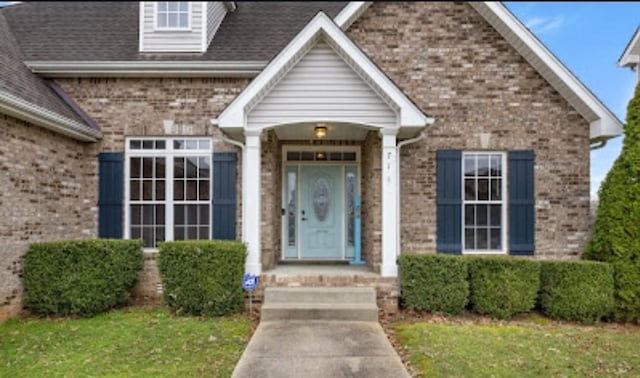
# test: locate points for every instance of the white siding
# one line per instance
(178, 41)
(321, 87)
(216, 11)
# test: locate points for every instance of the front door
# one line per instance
(321, 212)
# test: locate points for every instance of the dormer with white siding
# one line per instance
(180, 26)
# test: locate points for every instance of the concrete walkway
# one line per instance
(315, 348)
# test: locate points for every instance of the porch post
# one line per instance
(251, 208)
(389, 267)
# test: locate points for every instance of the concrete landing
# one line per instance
(319, 349)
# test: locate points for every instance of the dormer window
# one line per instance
(173, 15)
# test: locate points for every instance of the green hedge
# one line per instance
(503, 286)
(203, 277)
(576, 290)
(83, 277)
(435, 283)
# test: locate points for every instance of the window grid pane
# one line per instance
(150, 180)
(483, 202)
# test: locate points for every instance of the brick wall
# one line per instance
(372, 200)
(460, 71)
(158, 107)
(46, 193)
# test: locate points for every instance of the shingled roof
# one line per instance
(108, 31)
(17, 81)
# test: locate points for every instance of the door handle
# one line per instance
(303, 217)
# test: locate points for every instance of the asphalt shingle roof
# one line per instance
(108, 31)
(19, 81)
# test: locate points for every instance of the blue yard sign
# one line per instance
(249, 282)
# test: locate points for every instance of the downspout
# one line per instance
(399, 147)
(240, 145)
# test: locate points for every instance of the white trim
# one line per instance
(603, 123)
(205, 26)
(627, 59)
(19, 108)
(321, 26)
(77, 69)
(157, 28)
(350, 13)
(140, 26)
(504, 202)
(230, 5)
(168, 153)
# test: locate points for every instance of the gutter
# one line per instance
(19, 108)
(398, 149)
(242, 69)
(240, 145)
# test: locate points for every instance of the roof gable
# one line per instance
(631, 55)
(322, 27)
(603, 123)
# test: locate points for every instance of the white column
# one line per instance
(389, 267)
(251, 204)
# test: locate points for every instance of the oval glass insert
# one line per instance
(321, 200)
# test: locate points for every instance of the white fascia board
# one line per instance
(236, 113)
(603, 123)
(54, 69)
(19, 108)
(205, 26)
(141, 26)
(350, 13)
(551, 68)
(631, 54)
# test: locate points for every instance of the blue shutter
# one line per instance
(521, 203)
(111, 190)
(223, 203)
(449, 201)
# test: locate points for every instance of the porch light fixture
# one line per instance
(320, 131)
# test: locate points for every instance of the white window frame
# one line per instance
(156, 27)
(168, 153)
(503, 202)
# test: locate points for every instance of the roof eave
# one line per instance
(54, 69)
(21, 109)
(603, 123)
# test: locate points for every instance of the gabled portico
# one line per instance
(347, 93)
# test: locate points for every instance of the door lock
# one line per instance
(303, 217)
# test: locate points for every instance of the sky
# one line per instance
(588, 37)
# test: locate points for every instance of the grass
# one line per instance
(122, 343)
(535, 349)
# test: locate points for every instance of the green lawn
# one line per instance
(134, 342)
(520, 350)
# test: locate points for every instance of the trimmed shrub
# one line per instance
(503, 286)
(616, 230)
(82, 277)
(435, 283)
(203, 277)
(576, 290)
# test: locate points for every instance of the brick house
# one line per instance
(452, 125)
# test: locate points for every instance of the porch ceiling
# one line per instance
(335, 131)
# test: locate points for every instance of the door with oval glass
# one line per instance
(321, 212)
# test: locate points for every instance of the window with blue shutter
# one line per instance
(449, 201)
(110, 194)
(224, 195)
(521, 203)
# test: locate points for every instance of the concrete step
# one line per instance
(335, 295)
(320, 303)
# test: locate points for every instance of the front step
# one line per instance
(320, 303)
